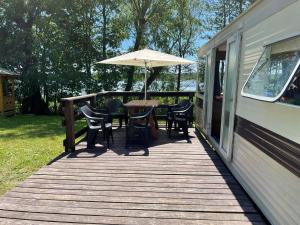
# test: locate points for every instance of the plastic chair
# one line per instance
(96, 122)
(177, 107)
(181, 117)
(138, 128)
(117, 110)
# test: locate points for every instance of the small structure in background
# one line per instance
(7, 92)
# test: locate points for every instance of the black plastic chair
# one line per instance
(117, 110)
(177, 107)
(96, 122)
(138, 128)
(161, 113)
(180, 116)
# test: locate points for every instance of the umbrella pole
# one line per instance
(145, 97)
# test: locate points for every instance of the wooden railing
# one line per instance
(71, 104)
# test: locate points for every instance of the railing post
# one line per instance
(191, 96)
(70, 126)
(93, 101)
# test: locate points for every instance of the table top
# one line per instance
(142, 103)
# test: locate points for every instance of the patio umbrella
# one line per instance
(146, 58)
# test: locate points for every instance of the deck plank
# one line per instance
(172, 182)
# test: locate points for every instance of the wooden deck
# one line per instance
(173, 182)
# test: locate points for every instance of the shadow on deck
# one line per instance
(171, 182)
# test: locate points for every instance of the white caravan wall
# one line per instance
(279, 118)
(274, 188)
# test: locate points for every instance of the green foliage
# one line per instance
(55, 45)
(219, 13)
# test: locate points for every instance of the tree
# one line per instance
(111, 29)
(18, 28)
(141, 14)
(176, 33)
(220, 13)
(55, 45)
(187, 29)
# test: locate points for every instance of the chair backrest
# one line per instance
(148, 113)
(144, 115)
(187, 110)
(184, 103)
(87, 112)
(113, 105)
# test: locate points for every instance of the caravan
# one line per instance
(249, 107)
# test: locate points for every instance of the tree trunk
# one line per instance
(241, 3)
(140, 26)
(136, 47)
(43, 72)
(153, 75)
(104, 38)
(224, 14)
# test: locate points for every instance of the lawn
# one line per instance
(27, 143)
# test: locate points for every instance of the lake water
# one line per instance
(157, 85)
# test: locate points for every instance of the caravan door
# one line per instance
(229, 99)
(208, 94)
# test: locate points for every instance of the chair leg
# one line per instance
(107, 141)
(109, 134)
(112, 137)
(147, 135)
(186, 130)
(175, 126)
(146, 139)
(120, 122)
(170, 123)
(104, 135)
(91, 138)
(126, 137)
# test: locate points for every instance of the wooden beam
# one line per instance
(70, 126)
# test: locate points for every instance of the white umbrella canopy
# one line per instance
(147, 58)
(150, 57)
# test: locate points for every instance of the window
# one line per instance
(274, 72)
(292, 94)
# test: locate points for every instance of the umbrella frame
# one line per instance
(145, 82)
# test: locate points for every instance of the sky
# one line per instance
(129, 42)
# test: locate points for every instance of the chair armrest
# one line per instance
(100, 114)
(179, 111)
(97, 119)
(137, 117)
(105, 111)
(95, 127)
(171, 106)
(183, 109)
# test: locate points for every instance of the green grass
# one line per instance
(27, 143)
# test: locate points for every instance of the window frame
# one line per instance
(265, 98)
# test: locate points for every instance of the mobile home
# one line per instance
(249, 105)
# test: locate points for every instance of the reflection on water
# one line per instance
(158, 85)
(188, 85)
